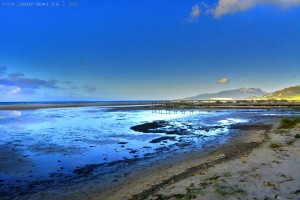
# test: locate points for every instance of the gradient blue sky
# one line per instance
(150, 49)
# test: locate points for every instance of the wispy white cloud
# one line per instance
(281, 3)
(16, 85)
(225, 7)
(223, 80)
(232, 6)
(9, 90)
(16, 90)
(194, 14)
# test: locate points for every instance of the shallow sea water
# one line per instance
(48, 143)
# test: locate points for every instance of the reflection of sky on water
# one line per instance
(72, 137)
(61, 139)
(229, 121)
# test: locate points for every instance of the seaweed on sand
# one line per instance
(288, 123)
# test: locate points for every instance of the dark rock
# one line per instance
(148, 127)
(148, 154)
(296, 192)
(85, 170)
(157, 140)
(133, 151)
(122, 142)
(216, 127)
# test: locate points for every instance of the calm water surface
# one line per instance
(49, 143)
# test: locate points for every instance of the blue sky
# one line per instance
(122, 50)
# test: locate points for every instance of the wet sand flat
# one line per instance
(68, 105)
(216, 173)
(133, 154)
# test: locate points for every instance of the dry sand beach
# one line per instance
(247, 168)
(267, 172)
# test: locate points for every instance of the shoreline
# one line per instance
(148, 182)
(171, 176)
(135, 105)
(195, 163)
(255, 170)
(245, 168)
(70, 105)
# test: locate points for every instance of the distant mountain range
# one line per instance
(290, 93)
(241, 93)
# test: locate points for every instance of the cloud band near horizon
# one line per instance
(17, 83)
